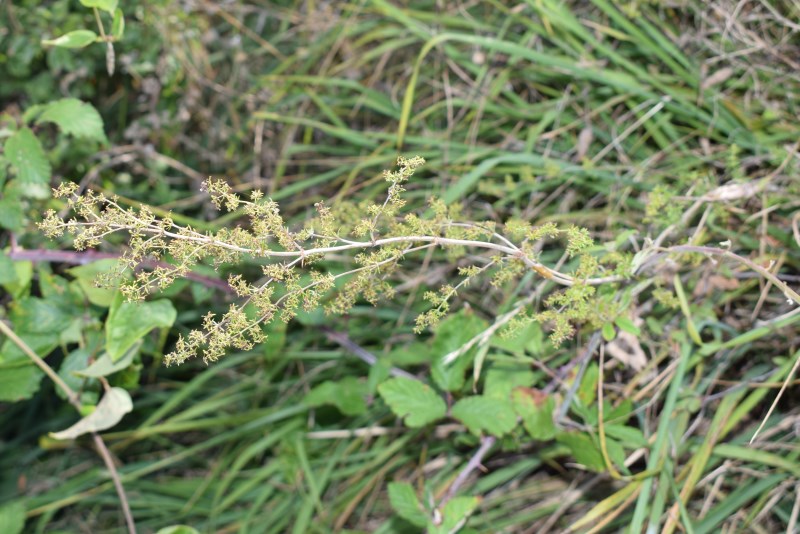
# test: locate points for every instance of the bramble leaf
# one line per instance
(27, 156)
(74, 117)
(478, 413)
(414, 401)
(347, 395)
(404, 501)
(536, 409)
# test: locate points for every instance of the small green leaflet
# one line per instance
(404, 501)
(74, 39)
(74, 117)
(479, 414)
(27, 157)
(414, 401)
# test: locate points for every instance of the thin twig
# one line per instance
(474, 463)
(186, 234)
(583, 359)
(73, 399)
(89, 256)
(363, 354)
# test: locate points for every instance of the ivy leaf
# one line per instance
(26, 155)
(130, 321)
(12, 517)
(404, 502)
(536, 409)
(73, 39)
(108, 412)
(346, 394)
(414, 401)
(75, 118)
(478, 413)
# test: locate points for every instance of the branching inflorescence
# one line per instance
(291, 280)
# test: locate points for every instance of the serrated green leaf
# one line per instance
(413, 401)
(20, 287)
(583, 449)
(31, 112)
(19, 380)
(12, 517)
(118, 25)
(530, 338)
(40, 343)
(130, 321)
(35, 315)
(503, 376)
(536, 410)
(587, 452)
(479, 414)
(105, 5)
(8, 275)
(73, 39)
(109, 411)
(11, 212)
(27, 157)
(74, 117)
(404, 502)
(348, 395)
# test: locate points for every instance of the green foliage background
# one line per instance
(623, 119)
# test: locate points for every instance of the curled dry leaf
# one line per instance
(109, 411)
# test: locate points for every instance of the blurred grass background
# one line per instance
(609, 115)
